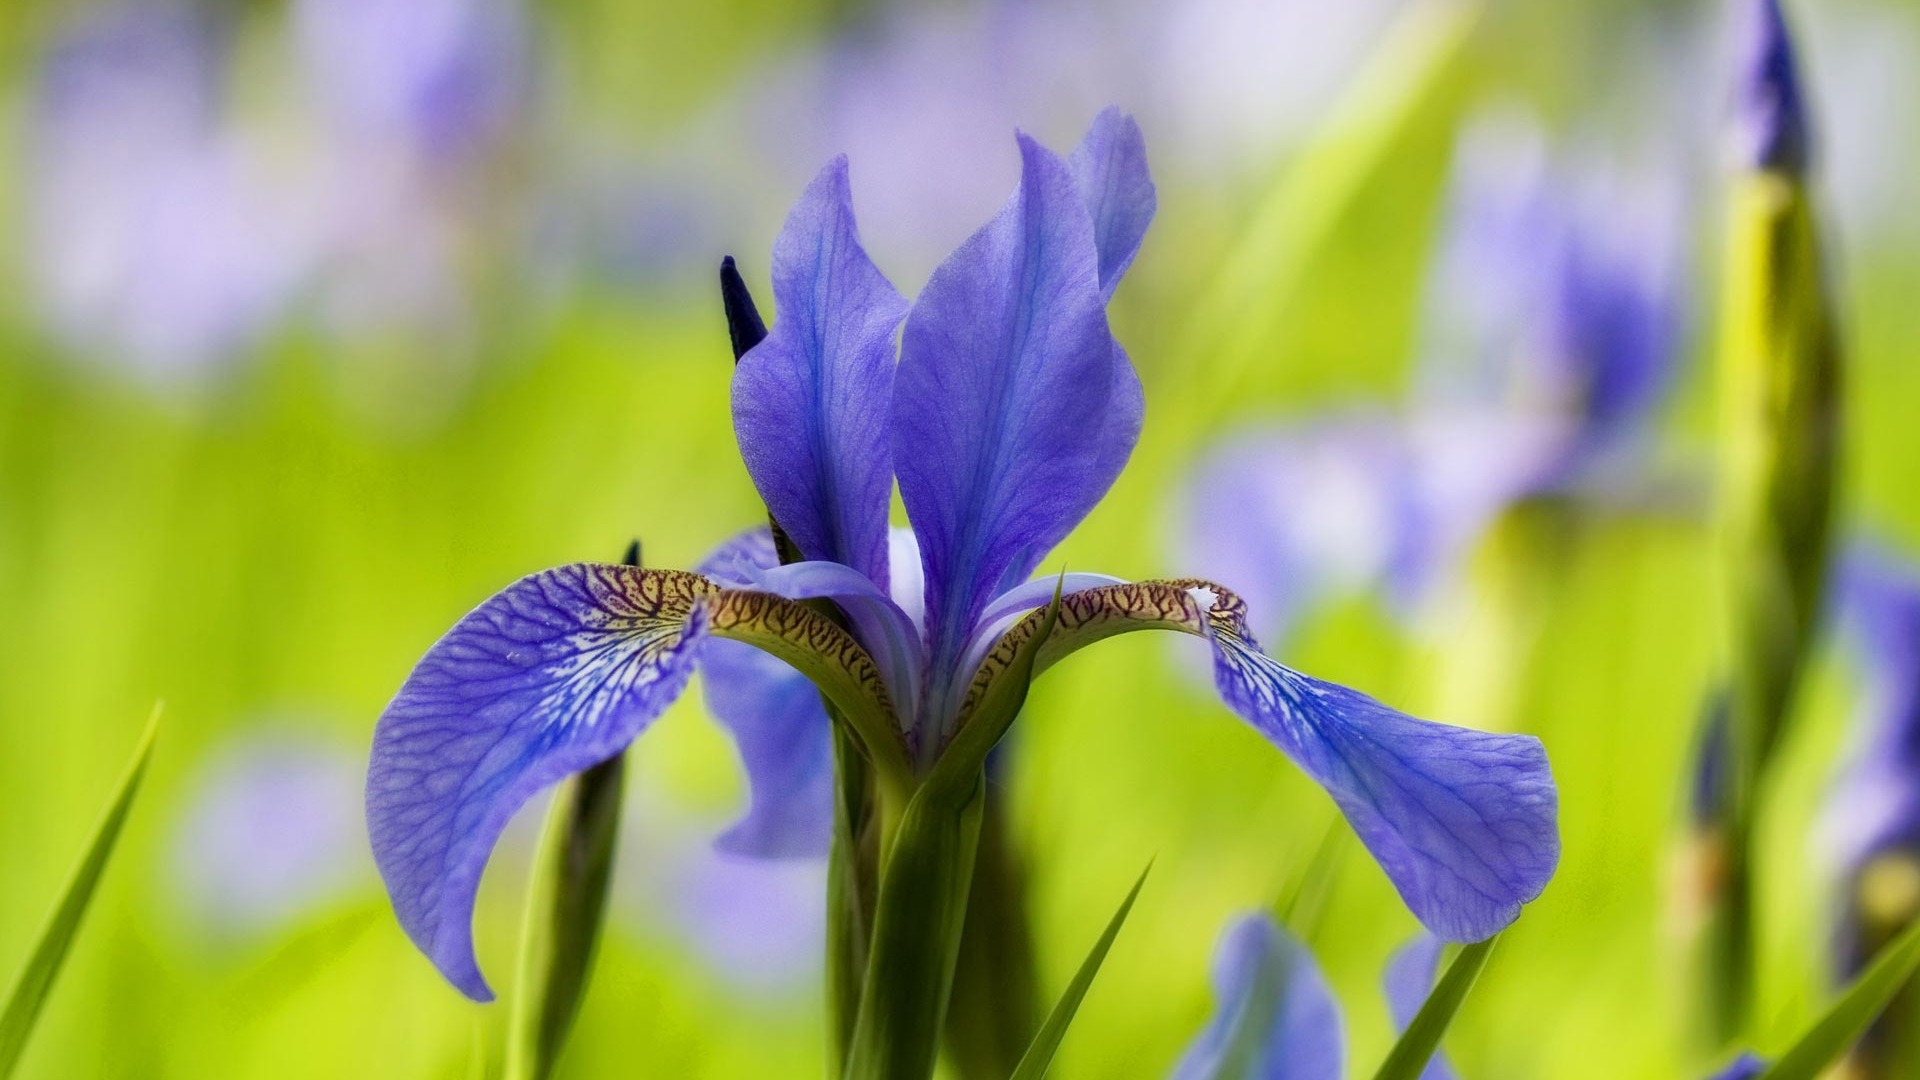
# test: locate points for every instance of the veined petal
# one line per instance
(1409, 981)
(1274, 1018)
(555, 674)
(827, 655)
(1463, 822)
(1005, 383)
(810, 403)
(1110, 172)
(786, 747)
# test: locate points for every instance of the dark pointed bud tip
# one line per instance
(632, 557)
(1770, 110)
(744, 326)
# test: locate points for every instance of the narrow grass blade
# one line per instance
(1417, 1044)
(1843, 1024)
(1033, 1065)
(1232, 322)
(35, 981)
(1304, 903)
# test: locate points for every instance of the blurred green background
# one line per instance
(323, 319)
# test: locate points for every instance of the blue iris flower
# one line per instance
(1873, 815)
(1276, 1019)
(1551, 338)
(1004, 415)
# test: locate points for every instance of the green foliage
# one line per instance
(30, 988)
(566, 905)
(1823, 1044)
(1039, 1056)
(1417, 1045)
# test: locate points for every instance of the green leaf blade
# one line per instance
(1850, 1016)
(1417, 1045)
(1039, 1056)
(35, 981)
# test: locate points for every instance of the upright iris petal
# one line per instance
(1006, 378)
(1109, 169)
(810, 401)
(1274, 1019)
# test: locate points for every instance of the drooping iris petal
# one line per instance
(1463, 822)
(1274, 1018)
(786, 748)
(810, 403)
(777, 721)
(1409, 980)
(1110, 171)
(1005, 384)
(555, 674)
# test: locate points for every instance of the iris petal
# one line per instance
(555, 674)
(1003, 396)
(810, 402)
(777, 721)
(1463, 822)
(786, 748)
(1110, 172)
(1275, 1018)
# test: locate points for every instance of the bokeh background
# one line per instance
(322, 319)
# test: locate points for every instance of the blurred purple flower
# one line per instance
(1873, 814)
(919, 96)
(758, 923)
(1744, 1067)
(155, 235)
(439, 79)
(1411, 973)
(1311, 513)
(416, 104)
(1554, 319)
(1770, 110)
(1551, 336)
(1274, 1017)
(273, 833)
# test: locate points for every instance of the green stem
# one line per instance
(996, 1002)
